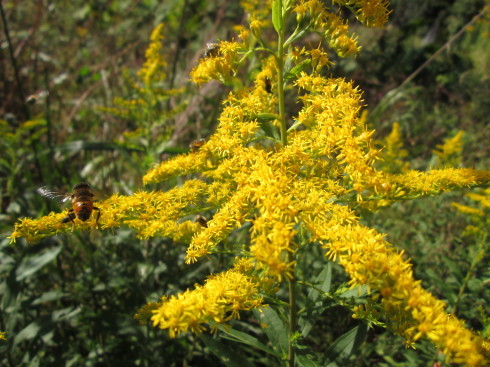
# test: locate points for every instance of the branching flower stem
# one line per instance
(280, 84)
(284, 141)
(292, 316)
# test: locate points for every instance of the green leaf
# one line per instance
(265, 117)
(346, 345)
(35, 328)
(295, 36)
(307, 361)
(32, 264)
(227, 355)
(454, 267)
(65, 313)
(49, 296)
(294, 72)
(475, 285)
(269, 130)
(322, 283)
(84, 71)
(27, 333)
(275, 328)
(277, 20)
(355, 293)
(244, 338)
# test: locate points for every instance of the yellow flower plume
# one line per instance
(153, 69)
(217, 301)
(276, 190)
(248, 180)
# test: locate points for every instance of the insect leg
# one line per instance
(70, 218)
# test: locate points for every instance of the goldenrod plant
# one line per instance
(449, 153)
(289, 162)
(148, 106)
(393, 152)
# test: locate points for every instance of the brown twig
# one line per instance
(87, 92)
(20, 90)
(446, 45)
(35, 26)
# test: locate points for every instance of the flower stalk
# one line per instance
(280, 77)
(293, 318)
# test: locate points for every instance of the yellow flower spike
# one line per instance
(393, 152)
(416, 183)
(449, 153)
(372, 13)
(378, 266)
(180, 165)
(2, 335)
(153, 69)
(319, 59)
(218, 300)
(256, 25)
(150, 213)
(468, 210)
(336, 32)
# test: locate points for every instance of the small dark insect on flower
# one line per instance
(199, 219)
(196, 144)
(212, 50)
(268, 85)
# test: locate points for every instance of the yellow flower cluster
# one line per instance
(151, 213)
(372, 13)
(415, 183)
(153, 69)
(278, 190)
(449, 153)
(393, 152)
(409, 309)
(483, 198)
(329, 24)
(220, 63)
(479, 216)
(2, 335)
(217, 301)
(275, 190)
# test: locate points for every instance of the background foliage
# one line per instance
(70, 299)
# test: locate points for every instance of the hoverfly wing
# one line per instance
(52, 194)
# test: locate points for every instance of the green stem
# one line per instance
(279, 25)
(292, 318)
(284, 141)
(280, 86)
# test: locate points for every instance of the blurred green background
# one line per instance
(69, 300)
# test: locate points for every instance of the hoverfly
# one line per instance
(203, 222)
(82, 201)
(212, 50)
(268, 85)
(33, 98)
(196, 144)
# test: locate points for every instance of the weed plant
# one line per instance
(279, 206)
